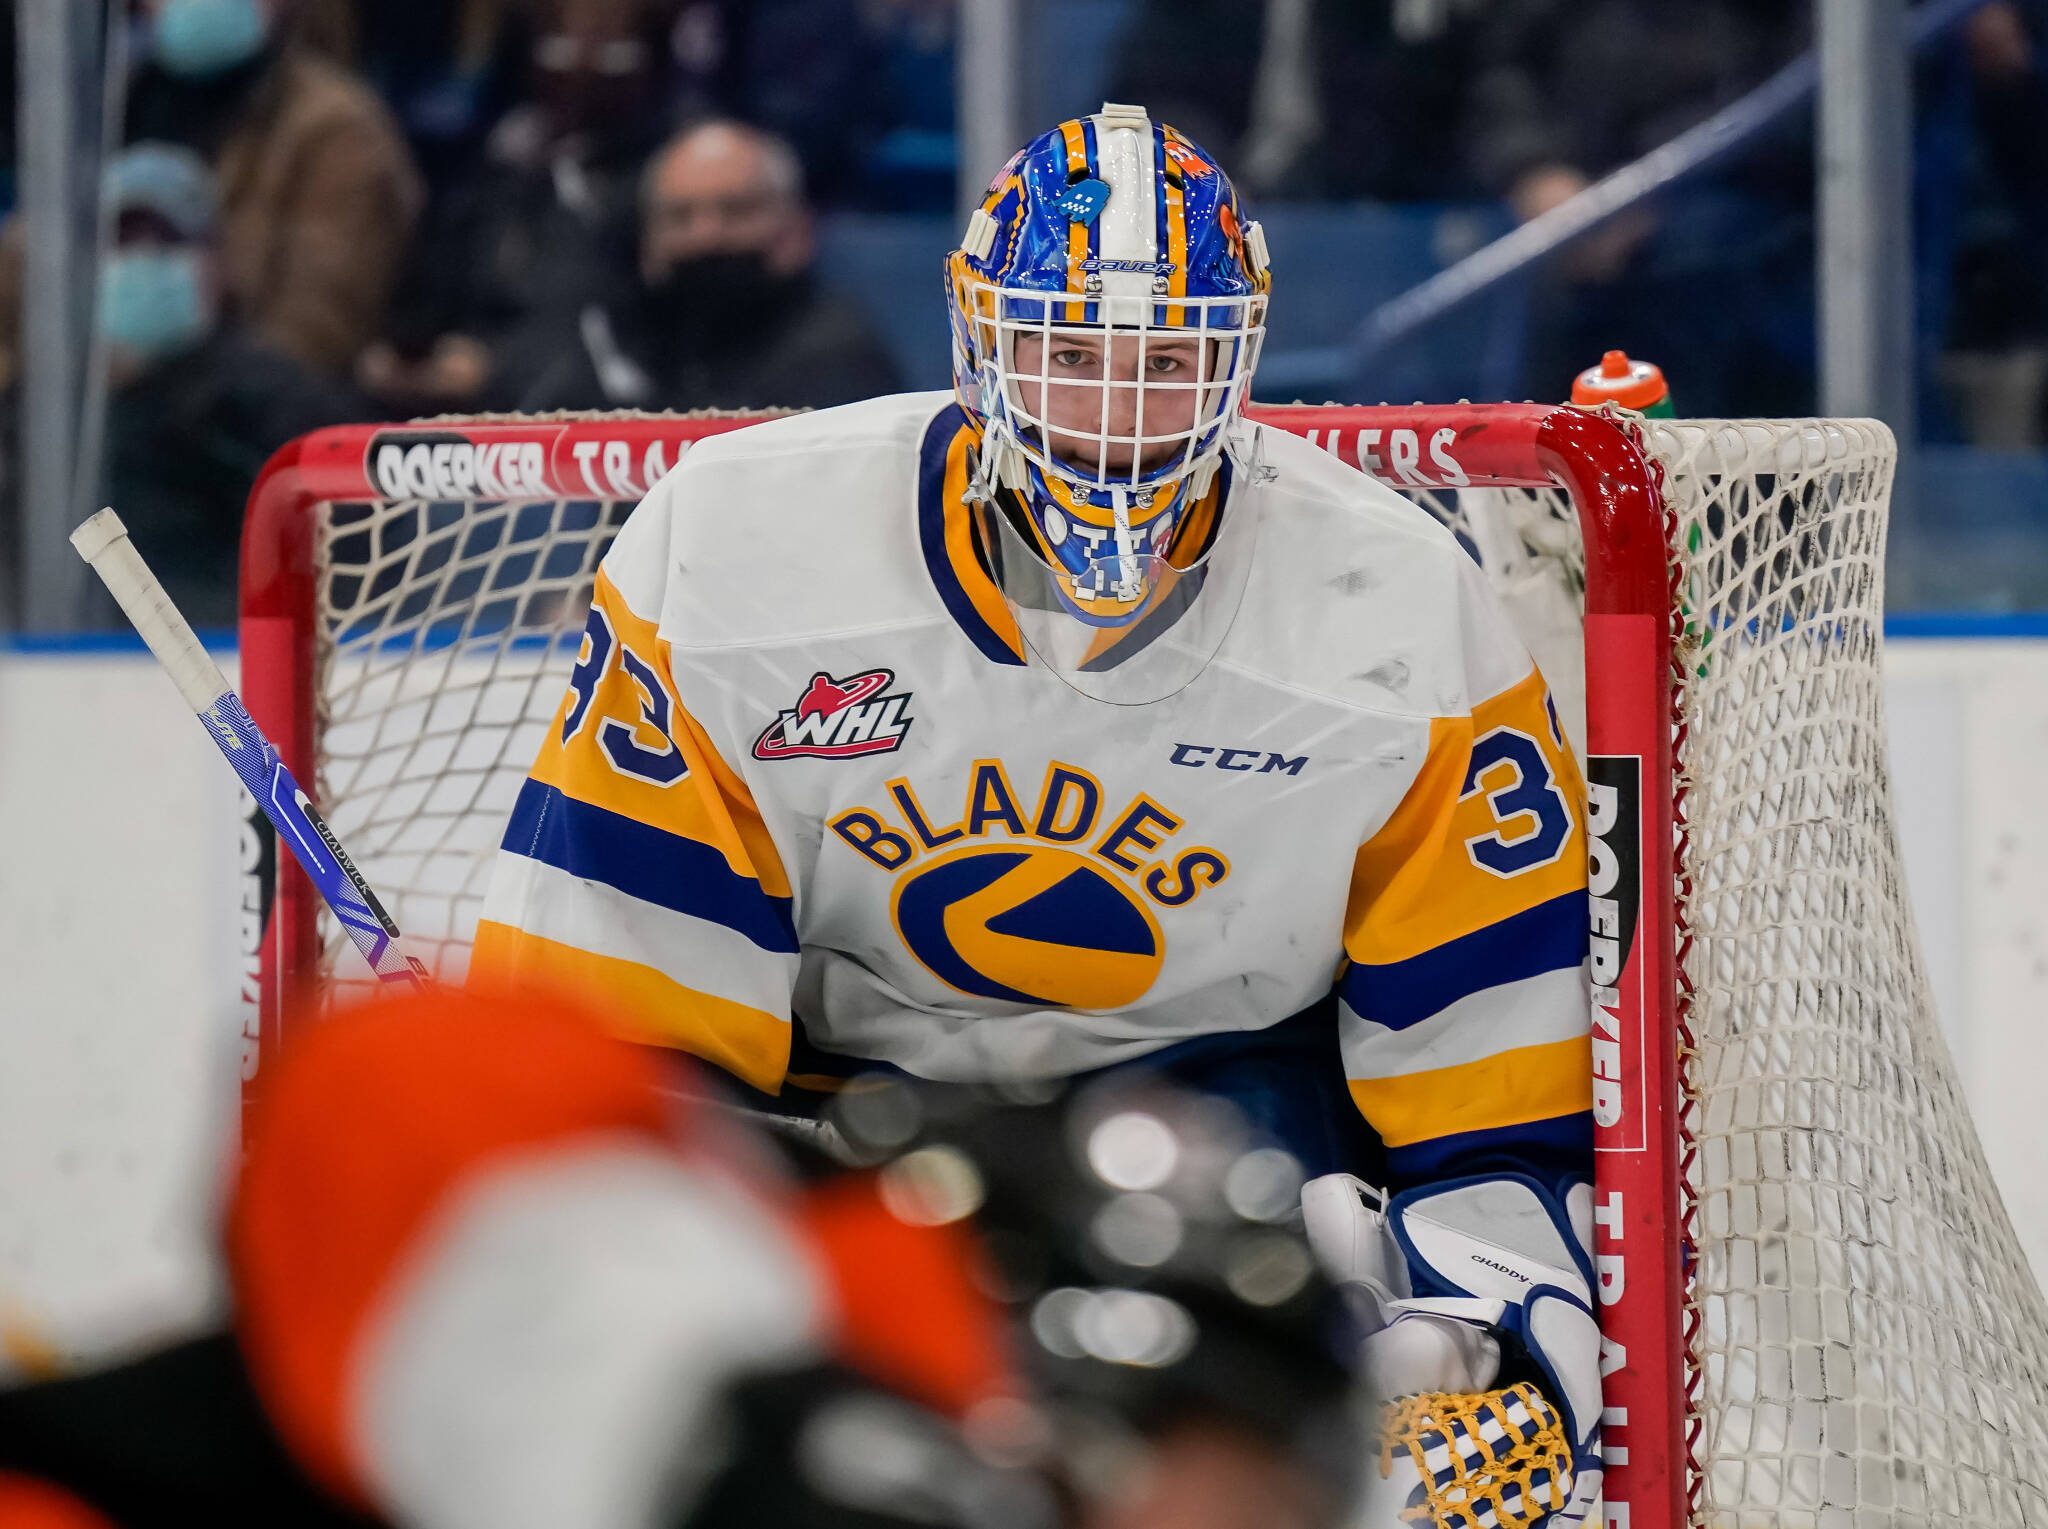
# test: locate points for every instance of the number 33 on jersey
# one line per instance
(861, 826)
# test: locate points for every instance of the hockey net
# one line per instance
(1816, 1311)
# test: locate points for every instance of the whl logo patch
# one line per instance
(839, 719)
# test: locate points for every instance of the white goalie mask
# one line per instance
(1108, 304)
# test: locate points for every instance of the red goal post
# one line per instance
(1597, 460)
(1815, 1311)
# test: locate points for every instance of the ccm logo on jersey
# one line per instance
(839, 719)
(1194, 756)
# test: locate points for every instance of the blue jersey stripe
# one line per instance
(932, 510)
(646, 862)
(1555, 1152)
(1541, 939)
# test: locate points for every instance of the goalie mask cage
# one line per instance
(1815, 1310)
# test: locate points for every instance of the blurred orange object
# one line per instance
(1637, 385)
(368, 1128)
(26, 1503)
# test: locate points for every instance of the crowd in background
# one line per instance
(329, 210)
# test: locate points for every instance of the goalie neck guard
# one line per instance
(1107, 304)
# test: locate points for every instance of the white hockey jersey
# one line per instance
(805, 775)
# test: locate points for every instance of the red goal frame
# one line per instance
(1642, 1231)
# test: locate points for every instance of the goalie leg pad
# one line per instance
(1410, 1346)
(1495, 1237)
(1346, 1222)
(1510, 1239)
(1480, 1260)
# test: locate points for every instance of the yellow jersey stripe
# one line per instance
(650, 1007)
(1416, 884)
(709, 804)
(1077, 233)
(1512, 1088)
(981, 592)
(741, 831)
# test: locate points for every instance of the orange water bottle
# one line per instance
(1640, 385)
(1637, 385)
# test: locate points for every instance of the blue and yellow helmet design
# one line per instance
(1107, 302)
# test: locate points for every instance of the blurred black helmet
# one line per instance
(1149, 1245)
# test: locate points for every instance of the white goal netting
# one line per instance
(1870, 1348)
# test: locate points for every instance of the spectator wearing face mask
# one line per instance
(513, 251)
(318, 194)
(726, 312)
(199, 398)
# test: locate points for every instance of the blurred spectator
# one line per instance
(1313, 98)
(1997, 365)
(1529, 101)
(1717, 275)
(726, 312)
(538, 230)
(199, 400)
(445, 67)
(10, 102)
(911, 165)
(318, 194)
(1437, 99)
(808, 71)
(1566, 90)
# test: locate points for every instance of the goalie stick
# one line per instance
(103, 542)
